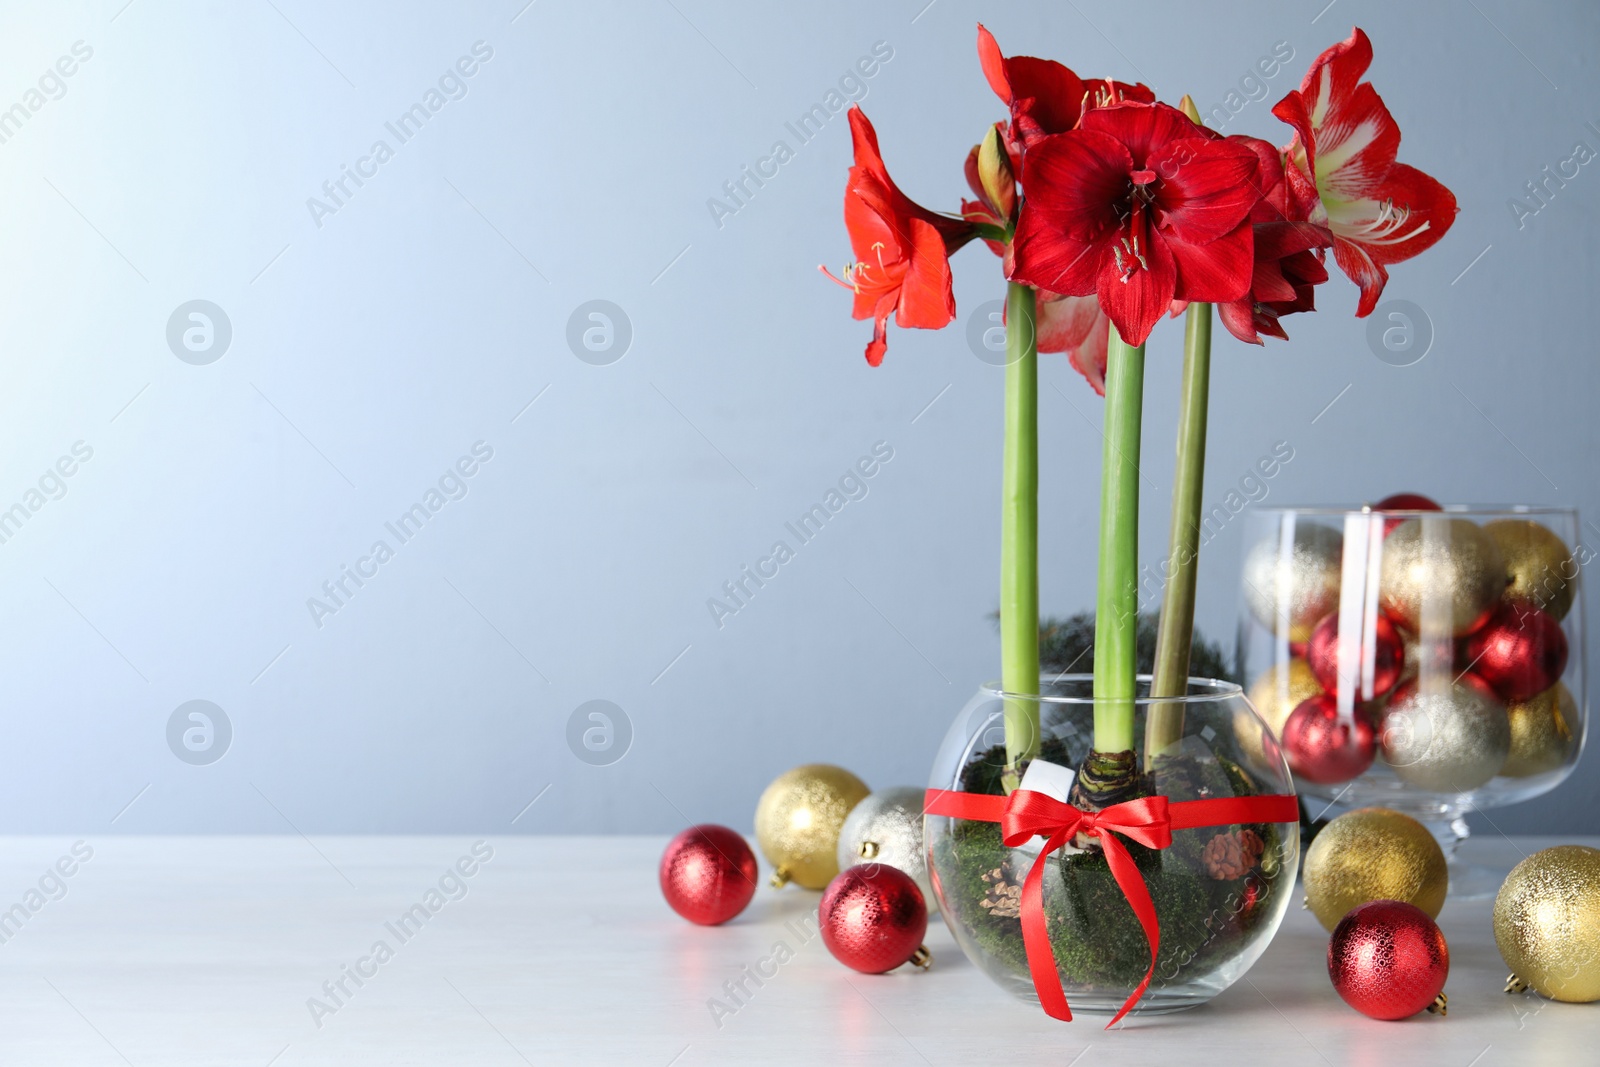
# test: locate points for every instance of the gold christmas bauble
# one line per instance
(1440, 575)
(798, 820)
(1445, 736)
(1274, 694)
(1541, 732)
(1539, 563)
(1547, 923)
(1290, 591)
(1373, 854)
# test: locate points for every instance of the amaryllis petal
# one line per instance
(926, 299)
(1207, 188)
(1076, 177)
(1268, 284)
(1142, 128)
(1136, 300)
(1275, 240)
(1216, 271)
(1356, 143)
(1238, 317)
(877, 250)
(871, 176)
(1368, 274)
(1306, 269)
(970, 169)
(1272, 205)
(1088, 357)
(866, 221)
(1328, 114)
(1338, 69)
(993, 62)
(1064, 321)
(1408, 214)
(1045, 97)
(879, 343)
(1053, 261)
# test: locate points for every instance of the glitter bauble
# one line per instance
(1520, 651)
(1290, 591)
(1324, 747)
(1402, 502)
(1373, 854)
(1275, 694)
(1445, 736)
(1541, 732)
(1539, 563)
(873, 919)
(1547, 923)
(1373, 656)
(886, 828)
(708, 874)
(798, 820)
(1440, 575)
(1388, 960)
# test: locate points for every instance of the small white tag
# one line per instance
(1054, 781)
(1051, 779)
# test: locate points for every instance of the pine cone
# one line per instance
(1231, 855)
(1004, 898)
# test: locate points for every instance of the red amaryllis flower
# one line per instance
(902, 249)
(1140, 206)
(1044, 96)
(1288, 254)
(1343, 154)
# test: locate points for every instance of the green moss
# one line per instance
(1097, 938)
(972, 850)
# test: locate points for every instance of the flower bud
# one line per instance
(994, 174)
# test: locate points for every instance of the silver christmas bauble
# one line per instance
(1445, 737)
(886, 827)
(1289, 589)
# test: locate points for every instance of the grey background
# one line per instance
(370, 353)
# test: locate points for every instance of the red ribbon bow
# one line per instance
(1148, 820)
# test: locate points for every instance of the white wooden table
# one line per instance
(206, 950)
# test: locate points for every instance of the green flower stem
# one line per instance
(1175, 631)
(1117, 601)
(1019, 534)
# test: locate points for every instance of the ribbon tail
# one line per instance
(1036, 938)
(1131, 882)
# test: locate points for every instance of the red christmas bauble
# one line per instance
(1388, 960)
(708, 874)
(1520, 652)
(873, 918)
(1383, 642)
(1403, 502)
(1324, 748)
